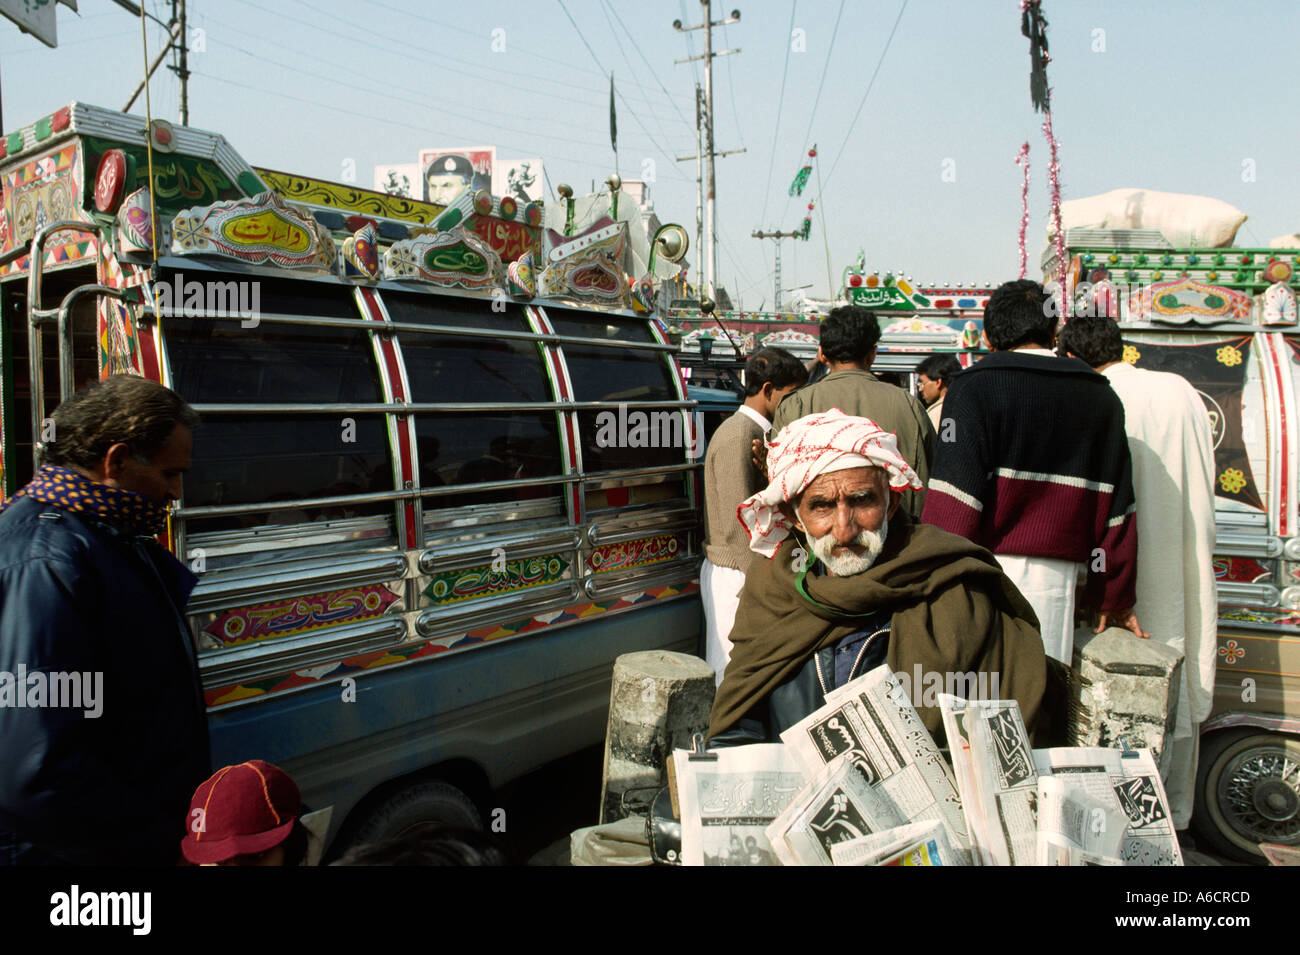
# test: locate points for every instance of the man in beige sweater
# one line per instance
(729, 478)
(849, 336)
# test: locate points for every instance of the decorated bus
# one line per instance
(419, 548)
(1225, 319)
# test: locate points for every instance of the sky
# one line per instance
(917, 108)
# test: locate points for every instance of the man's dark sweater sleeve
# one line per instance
(959, 480)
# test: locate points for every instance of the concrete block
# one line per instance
(1126, 689)
(658, 700)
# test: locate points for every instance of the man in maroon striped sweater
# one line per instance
(1033, 463)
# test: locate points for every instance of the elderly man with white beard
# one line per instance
(851, 582)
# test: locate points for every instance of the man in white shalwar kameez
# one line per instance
(1173, 479)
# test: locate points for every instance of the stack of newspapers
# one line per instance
(861, 782)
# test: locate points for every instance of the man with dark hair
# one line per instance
(1036, 468)
(100, 772)
(849, 335)
(729, 478)
(934, 376)
(1172, 446)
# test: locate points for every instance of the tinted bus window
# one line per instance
(447, 310)
(608, 374)
(628, 438)
(576, 324)
(478, 448)
(453, 368)
(217, 362)
(265, 457)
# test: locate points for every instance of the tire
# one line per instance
(420, 804)
(1248, 792)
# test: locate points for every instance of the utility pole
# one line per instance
(182, 70)
(776, 298)
(710, 245)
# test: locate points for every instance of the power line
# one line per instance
(619, 43)
(807, 137)
(731, 88)
(636, 46)
(354, 84)
(767, 191)
(870, 84)
(350, 112)
(578, 30)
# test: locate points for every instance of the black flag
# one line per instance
(613, 123)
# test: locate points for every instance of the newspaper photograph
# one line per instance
(1072, 818)
(873, 717)
(1005, 779)
(1129, 778)
(953, 711)
(917, 843)
(837, 805)
(727, 803)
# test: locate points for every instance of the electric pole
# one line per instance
(710, 245)
(776, 298)
(182, 69)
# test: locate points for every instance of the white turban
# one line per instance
(807, 448)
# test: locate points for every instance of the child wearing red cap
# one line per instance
(246, 815)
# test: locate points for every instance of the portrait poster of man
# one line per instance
(399, 179)
(520, 178)
(447, 172)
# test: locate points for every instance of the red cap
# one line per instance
(240, 810)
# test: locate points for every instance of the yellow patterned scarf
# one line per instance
(65, 488)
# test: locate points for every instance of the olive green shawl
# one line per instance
(953, 611)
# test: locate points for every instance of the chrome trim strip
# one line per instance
(265, 582)
(1248, 595)
(224, 667)
(466, 615)
(437, 559)
(1246, 545)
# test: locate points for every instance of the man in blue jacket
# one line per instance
(103, 735)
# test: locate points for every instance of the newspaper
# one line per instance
(917, 843)
(953, 710)
(873, 718)
(1054, 850)
(727, 803)
(1128, 783)
(1072, 821)
(1005, 780)
(837, 805)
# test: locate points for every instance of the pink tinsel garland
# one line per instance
(1054, 177)
(1023, 160)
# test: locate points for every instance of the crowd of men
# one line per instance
(845, 528)
(971, 540)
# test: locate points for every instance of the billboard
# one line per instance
(521, 178)
(446, 172)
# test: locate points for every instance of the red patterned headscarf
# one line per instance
(807, 448)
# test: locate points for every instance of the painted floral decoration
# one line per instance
(1229, 356)
(1131, 354)
(1231, 653)
(1232, 480)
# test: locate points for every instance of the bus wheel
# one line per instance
(423, 804)
(1248, 792)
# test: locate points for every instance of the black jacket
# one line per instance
(79, 596)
